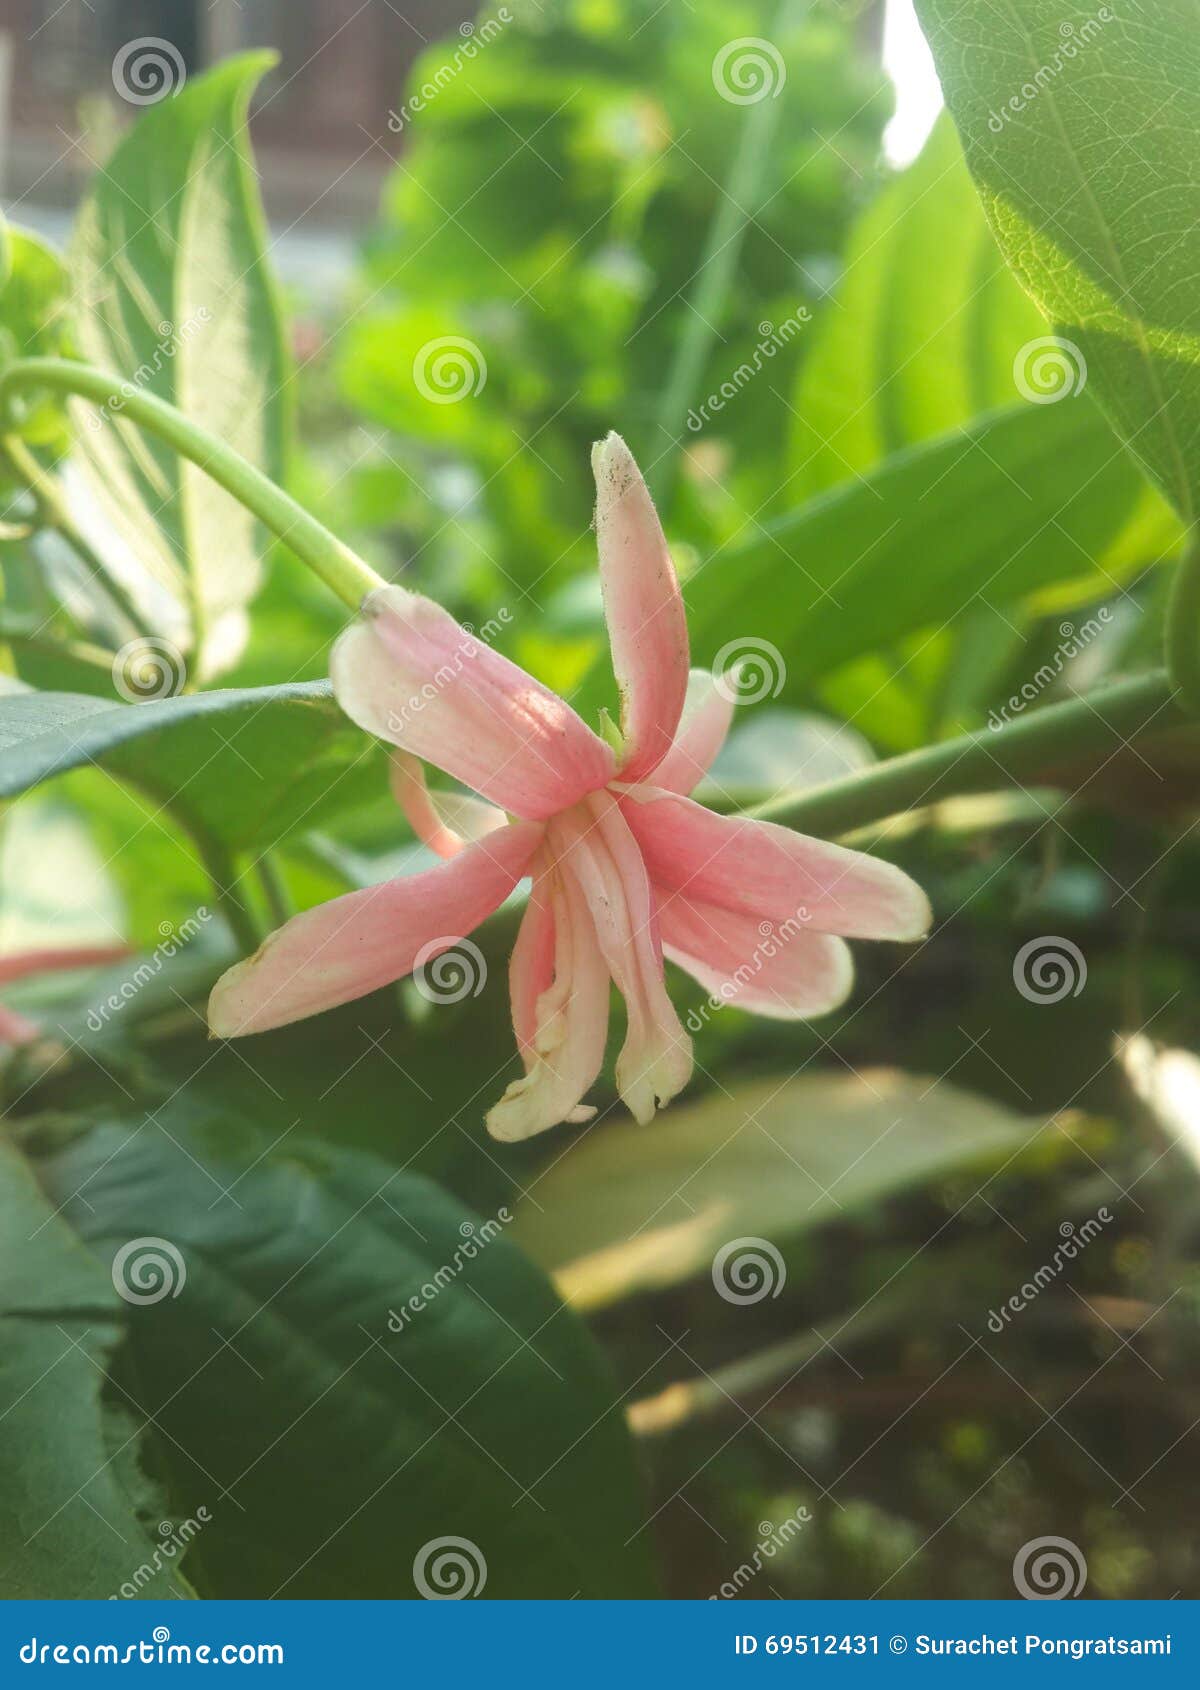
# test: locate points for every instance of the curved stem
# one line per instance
(218, 865)
(338, 566)
(1008, 755)
(1182, 634)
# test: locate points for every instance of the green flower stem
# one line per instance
(1182, 636)
(219, 866)
(338, 566)
(1025, 749)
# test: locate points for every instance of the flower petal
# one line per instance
(352, 945)
(407, 672)
(779, 969)
(770, 872)
(531, 966)
(600, 855)
(571, 1023)
(707, 713)
(647, 628)
(445, 821)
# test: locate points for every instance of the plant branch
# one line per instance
(1182, 631)
(350, 577)
(1009, 755)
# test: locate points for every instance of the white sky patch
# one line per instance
(909, 63)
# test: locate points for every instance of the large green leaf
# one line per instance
(354, 1367)
(175, 293)
(907, 349)
(1025, 500)
(68, 1475)
(246, 766)
(1079, 124)
(626, 1210)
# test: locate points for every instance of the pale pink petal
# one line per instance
(780, 969)
(18, 964)
(407, 672)
(15, 1028)
(531, 966)
(707, 713)
(352, 945)
(771, 873)
(570, 1022)
(445, 821)
(600, 855)
(647, 628)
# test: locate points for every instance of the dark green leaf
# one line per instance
(334, 1429)
(66, 1468)
(297, 759)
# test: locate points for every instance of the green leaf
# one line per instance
(33, 317)
(335, 1428)
(175, 293)
(908, 349)
(1025, 500)
(247, 767)
(1078, 125)
(67, 1477)
(626, 1210)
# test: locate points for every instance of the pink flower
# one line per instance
(18, 1029)
(625, 867)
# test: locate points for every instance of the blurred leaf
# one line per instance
(175, 293)
(626, 1210)
(907, 349)
(298, 759)
(33, 319)
(71, 1530)
(331, 1447)
(779, 751)
(55, 889)
(1022, 501)
(1074, 124)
